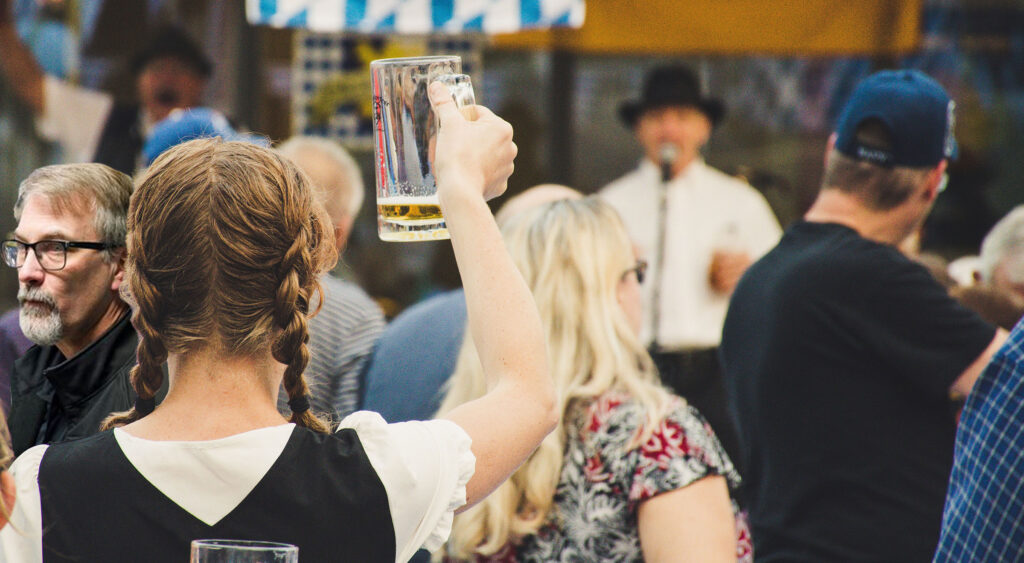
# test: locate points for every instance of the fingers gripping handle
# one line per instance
(461, 89)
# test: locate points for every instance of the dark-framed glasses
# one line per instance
(52, 255)
(640, 269)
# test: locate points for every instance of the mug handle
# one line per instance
(462, 92)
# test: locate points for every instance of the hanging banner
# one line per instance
(416, 16)
(736, 27)
(331, 78)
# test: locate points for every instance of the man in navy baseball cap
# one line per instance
(915, 112)
(840, 354)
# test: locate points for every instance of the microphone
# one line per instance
(667, 153)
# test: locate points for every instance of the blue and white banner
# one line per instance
(416, 16)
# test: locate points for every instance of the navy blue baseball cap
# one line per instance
(914, 109)
(194, 123)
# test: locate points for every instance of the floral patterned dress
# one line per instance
(601, 488)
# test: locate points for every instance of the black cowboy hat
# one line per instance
(671, 86)
(174, 43)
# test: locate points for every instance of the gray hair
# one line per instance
(1005, 241)
(104, 190)
(343, 196)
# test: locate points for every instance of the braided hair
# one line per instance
(226, 243)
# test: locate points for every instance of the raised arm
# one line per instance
(472, 163)
(17, 63)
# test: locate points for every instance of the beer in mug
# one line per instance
(405, 129)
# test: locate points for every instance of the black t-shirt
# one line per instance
(838, 354)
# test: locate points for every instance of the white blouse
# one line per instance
(424, 467)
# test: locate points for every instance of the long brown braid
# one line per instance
(226, 245)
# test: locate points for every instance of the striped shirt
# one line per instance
(984, 515)
(341, 339)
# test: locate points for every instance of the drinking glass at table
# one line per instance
(236, 551)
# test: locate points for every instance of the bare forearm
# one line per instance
(473, 162)
(19, 67)
(509, 339)
(503, 317)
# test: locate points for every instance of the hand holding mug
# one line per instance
(405, 142)
(472, 155)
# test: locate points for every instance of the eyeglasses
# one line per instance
(640, 270)
(52, 255)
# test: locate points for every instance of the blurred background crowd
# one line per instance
(782, 70)
(753, 89)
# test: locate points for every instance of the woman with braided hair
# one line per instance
(225, 245)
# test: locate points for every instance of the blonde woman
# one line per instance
(226, 242)
(632, 473)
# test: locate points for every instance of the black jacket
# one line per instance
(54, 399)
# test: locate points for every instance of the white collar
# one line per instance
(207, 478)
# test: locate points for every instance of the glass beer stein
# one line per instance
(405, 128)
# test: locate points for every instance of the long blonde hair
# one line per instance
(225, 245)
(573, 255)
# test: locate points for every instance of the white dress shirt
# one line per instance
(707, 210)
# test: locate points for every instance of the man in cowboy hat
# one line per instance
(699, 229)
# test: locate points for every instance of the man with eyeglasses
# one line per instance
(69, 251)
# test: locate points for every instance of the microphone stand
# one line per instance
(667, 158)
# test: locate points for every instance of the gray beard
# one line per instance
(41, 325)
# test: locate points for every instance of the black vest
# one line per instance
(121, 141)
(321, 494)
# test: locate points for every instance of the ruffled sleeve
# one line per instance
(424, 466)
(21, 540)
